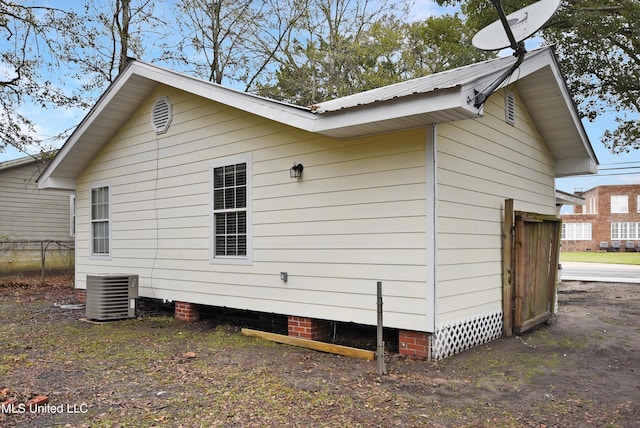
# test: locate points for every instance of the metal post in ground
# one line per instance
(382, 369)
(42, 261)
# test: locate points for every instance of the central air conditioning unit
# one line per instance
(111, 297)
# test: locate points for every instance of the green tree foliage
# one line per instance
(333, 50)
(598, 43)
(315, 71)
(437, 44)
(361, 51)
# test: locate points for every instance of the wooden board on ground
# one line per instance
(312, 344)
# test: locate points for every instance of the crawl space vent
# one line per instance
(161, 115)
(510, 107)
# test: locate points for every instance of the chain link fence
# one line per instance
(22, 257)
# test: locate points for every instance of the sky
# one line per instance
(51, 122)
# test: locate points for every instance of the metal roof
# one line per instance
(445, 80)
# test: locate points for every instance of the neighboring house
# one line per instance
(609, 220)
(33, 223)
(26, 212)
(189, 185)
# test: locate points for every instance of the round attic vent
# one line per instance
(161, 115)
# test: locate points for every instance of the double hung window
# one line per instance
(576, 231)
(231, 216)
(100, 221)
(619, 204)
(625, 231)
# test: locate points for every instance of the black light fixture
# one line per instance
(296, 170)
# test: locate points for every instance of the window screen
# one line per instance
(100, 212)
(230, 210)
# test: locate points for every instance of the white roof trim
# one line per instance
(42, 158)
(17, 162)
(564, 198)
(432, 99)
(260, 106)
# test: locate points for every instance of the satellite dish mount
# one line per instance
(511, 31)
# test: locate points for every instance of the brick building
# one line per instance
(609, 219)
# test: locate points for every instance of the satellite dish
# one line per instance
(523, 24)
(511, 31)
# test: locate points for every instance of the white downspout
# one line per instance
(431, 226)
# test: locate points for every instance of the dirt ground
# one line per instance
(583, 370)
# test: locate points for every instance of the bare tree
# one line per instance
(232, 41)
(30, 55)
(111, 32)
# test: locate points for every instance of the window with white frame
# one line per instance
(231, 188)
(638, 204)
(100, 220)
(576, 231)
(619, 204)
(629, 231)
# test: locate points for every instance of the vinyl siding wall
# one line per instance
(27, 213)
(480, 164)
(356, 217)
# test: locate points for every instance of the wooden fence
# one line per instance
(531, 254)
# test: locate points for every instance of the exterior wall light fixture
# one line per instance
(284, 276)
(296, 170)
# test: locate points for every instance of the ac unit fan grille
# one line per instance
(111, 297)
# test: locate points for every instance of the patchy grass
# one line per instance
(159, 372)
(55, 262)
(595, 257)
(544, 337)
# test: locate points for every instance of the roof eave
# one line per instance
(564, 198)
(575, 166)
(562, 130)
(47, 180)
(138, 81)
(55, 183)
(409, 112)
(569, 145)
(18, 162)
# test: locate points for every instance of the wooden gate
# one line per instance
(531, 271)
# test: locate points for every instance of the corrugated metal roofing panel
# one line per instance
(445, 80)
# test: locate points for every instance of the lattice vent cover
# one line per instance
(161, 115)
(454, 337)
(510, 107)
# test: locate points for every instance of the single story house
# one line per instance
(223, 198)
(33, 221)
(26, 212)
